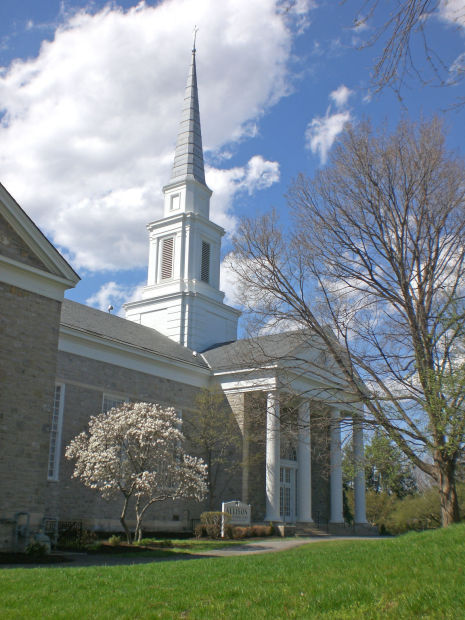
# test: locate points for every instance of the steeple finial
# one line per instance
(196, 29)
(188, 158)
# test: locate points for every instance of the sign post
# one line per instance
(239, 514)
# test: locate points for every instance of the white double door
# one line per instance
(288, 491)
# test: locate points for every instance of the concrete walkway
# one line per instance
(268, 546)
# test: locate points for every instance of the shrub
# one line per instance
(200, 531)
(154, 542)
(239, 532)
(228, 531)
(36, 549)
(212, 523)
(262, 530)
(114, 540)
(80, 541)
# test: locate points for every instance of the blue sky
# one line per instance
(91, 94)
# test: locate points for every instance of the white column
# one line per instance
(336, 468)
(304, 462)
(245, 467)
(359, 479)
(272, 457)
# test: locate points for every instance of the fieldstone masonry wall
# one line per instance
(28, 350)
(85, 382)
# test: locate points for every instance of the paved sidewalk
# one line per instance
(267, 546)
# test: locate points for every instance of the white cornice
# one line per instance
(33, 279)
(166, 297)
(35, 239)
(186, 181)
(172, 220)
(103, 349)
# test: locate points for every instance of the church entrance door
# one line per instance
(287, 492)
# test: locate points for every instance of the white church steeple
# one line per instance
(182, 297)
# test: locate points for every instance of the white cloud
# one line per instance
(229, 281)
(114, 294)
(341, 95)
(453, 11)
(89, 125)
(256, 175)
(322, 131)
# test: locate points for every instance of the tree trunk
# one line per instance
(139, 515)
(209, 479)
(138, 532)
(123, 519)
(447, 491)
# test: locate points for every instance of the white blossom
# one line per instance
(136, 450)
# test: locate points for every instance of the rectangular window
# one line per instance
(175, 202)
(55, 432)
(109, 401)
(205, 265)
(167, 251)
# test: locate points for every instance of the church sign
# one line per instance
(239, 513)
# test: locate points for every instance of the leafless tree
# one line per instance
(406, 51)
(376, 253)
(214, 435)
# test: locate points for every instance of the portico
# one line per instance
(289, 481)
(301, 420)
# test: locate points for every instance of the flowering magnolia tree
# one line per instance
(136, 450)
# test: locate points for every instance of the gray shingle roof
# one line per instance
(111, 327)
(254, 352)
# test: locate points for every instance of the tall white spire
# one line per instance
(188, 157)
(182, 298)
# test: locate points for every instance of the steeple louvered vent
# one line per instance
(205, 265)
(167, 247)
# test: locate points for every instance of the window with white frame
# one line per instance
(205, 262)
(166, 258)
(55, 432)
(110, 400)
(175, 202)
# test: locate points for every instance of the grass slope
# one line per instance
(416, 575)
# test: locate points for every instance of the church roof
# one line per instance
(43, 253)
(254, 352)
(188, 158)
(111, 327)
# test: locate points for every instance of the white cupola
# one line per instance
(182, 298)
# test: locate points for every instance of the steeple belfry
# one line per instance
(182, 298)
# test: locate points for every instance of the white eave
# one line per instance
(104, 349)
(22, 224)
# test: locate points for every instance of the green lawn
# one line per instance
(417, 575)
(176, 547)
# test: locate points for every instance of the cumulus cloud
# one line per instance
(452, 11)
(229, 281)
(114, 294)
(341, 95)
(88, 126)
(322, 131)
(257, 174)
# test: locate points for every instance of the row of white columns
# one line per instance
(304, 464)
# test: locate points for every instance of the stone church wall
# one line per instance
(28, 350)
(86, 381)
(319, 429)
